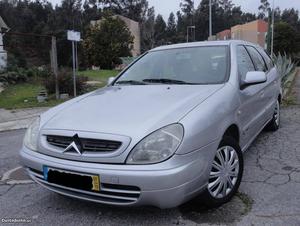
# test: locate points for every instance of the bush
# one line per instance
(38, 72)
(16, 60)
(18, 75)
(284, 64)
(13, 77)
(65, 82)
(104, 44)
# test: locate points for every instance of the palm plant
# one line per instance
(284, 65)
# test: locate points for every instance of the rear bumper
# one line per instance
(164, 185)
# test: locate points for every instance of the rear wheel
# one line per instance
(225, 174)
(275, 122)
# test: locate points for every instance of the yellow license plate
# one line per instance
(66, 178)
(96, 183)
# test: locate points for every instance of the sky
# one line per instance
(165, 7)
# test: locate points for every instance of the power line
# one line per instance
(210, 18)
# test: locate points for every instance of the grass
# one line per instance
(23, 96)
(289, 100)
(247, 201)
(101, 76)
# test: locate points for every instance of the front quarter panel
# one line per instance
(208, 121)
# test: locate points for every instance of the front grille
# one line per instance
(89, 145)
(109, 193)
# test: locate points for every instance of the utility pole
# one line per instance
(74, 68)
(187, 34)
(53, 58)
(74, 37)
(76, 56)
(194, 24)
(273, 18)
(210, 18)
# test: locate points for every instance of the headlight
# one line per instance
(31, 135)
(158, 146)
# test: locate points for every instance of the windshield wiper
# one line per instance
(131, 82)
(167, 81)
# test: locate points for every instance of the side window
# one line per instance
(257, 59)
(244, 61)
(267, 59)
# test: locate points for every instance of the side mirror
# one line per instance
(253, 78)
(110, 80)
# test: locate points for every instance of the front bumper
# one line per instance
(164, 185)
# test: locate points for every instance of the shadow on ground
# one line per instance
(231, 212)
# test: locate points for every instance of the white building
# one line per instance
(3, 53)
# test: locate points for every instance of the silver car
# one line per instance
(171, 127)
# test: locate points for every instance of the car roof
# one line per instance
(204, 43)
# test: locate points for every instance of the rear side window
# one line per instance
(244, 61)
(257, 59)
(267, 59)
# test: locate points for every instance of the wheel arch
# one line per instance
(233, 132)
(280, 98)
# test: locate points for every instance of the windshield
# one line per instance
(198, 65)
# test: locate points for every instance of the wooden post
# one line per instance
(54, 65)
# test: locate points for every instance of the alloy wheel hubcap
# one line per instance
(224, 173)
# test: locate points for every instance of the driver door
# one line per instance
(251, 108)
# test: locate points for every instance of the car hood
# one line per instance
(132, 111)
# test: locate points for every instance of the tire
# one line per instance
(274, 124)
(209, 197)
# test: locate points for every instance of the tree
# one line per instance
(67, 16)
(286, 39)
(147, 30)
(133, 9)
(248, 17)
(202, 20)
(171, 29)
(90, 11)
(236, 16)
(26, 17)
(291, 16)
(39, 16)
(187, 7)
(226, 5)
(137, 10)
(181, 27)
(106, 42)
(269, 34)
(264, 8)
(159, 31)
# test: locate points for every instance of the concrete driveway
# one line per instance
(18, 119)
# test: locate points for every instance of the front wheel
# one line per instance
(225, 174)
